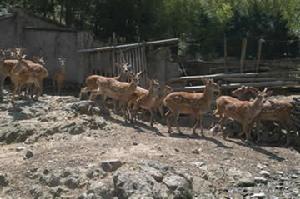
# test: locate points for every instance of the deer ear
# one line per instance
(205, 81)
(269, 93)
(265, 90)
(139, 74)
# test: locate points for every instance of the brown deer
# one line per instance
(164, 91)
(119, 91)
(274, 110)
(194, 104)
(37, 64)
(146, 101)
(243, 112)
(59, 76)
(91, 81)
(27, 72)
(245, 93)
(6, 67)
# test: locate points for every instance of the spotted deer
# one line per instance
(119, 91)
(194, 104)
(243, 112)
(146, 101)
(91, 81)
(274, 110)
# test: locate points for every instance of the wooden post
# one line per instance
(260, 43)
(225, 54)
(243, 54)
(114, 71)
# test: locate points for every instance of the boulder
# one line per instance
(111, 165)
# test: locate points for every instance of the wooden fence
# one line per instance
(236, 80)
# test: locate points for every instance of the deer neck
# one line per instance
(132, 85)
(257, 106)
(208, 95)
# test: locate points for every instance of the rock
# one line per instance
(76, 130)
(111, 165)
(72, 182)
(198, 164)
(135, 143)
(261, 180)
(180, 187)
(163, 168)
(66, 172)
(259, 195)
(160, 191)
(245, 182)
(133, 184)
(157, 175)
(176, 150)
(28, 154)
(83, 107)
(265, 174)
(3, 180)
(36, 191)
(101, 190)
(197, 151)
(20, 148)
(56, 191)
(51, 181)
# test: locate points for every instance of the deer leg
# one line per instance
(195, 125)
(41, 83)
(1, 87)
(151, 117)
(176, 122)
(169, 114)
(221, 122)
(246, 130)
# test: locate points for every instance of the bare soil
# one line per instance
(216, 165)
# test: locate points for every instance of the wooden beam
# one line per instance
(238, 85)
(225, 54)
(260, 43)
(127, 46)
(233, 75)
(243, 54)
(258, 79)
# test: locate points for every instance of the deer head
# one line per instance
(39, 60)
(211, 86)
(154, 86)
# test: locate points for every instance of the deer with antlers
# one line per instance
(243, 112)
(119, 91)
(274, 110)
(194, 104)
(27, 72)
(145, 100)
(59, 76)
(91, 81)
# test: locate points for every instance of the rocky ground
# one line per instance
(58, 148)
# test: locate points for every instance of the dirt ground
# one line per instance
(60, 138)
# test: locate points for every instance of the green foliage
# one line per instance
(203, 22)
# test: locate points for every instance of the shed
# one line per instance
(43, 37)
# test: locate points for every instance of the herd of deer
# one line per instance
(248, 106)
(27, 73)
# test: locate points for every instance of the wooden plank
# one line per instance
(238, 85)
(243, 54)
(266, 79)
(260, 43)
(225, 54)
(233, 75)
(128, 46)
